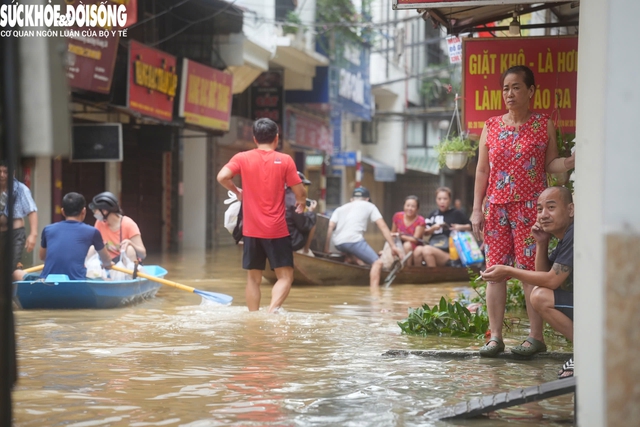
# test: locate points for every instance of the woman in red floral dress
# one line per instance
(517, 149)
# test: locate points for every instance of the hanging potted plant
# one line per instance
(455, 150)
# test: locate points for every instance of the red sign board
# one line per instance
(90, 62)
(205, 96)
(553, 60)
(132, 11)
(91, 57)
(308, 131)
(152, 81)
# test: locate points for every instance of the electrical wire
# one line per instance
(151, 18)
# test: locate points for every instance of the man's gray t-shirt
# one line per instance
(351, 221)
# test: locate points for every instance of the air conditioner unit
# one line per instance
(97, 142)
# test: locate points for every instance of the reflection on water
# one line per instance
(175, 361)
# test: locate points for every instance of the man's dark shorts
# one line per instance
(19, 240)
(563, 302)
(255, 252)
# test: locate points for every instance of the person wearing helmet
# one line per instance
(302, 226)
(119, 232)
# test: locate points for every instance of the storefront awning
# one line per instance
(246, 59)
(462, 19)
(381, 172)
(423, 164)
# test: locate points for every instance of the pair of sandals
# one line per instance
(492, 350)
(535, 347)
(567, 370)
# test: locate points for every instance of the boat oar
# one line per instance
(34, 269)
(212, 296)
(396, 268)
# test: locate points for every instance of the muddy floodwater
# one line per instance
(176, 361)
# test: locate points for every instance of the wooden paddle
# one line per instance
(34, 269)
(212, 296)
(396, 269)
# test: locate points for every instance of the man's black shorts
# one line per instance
(19, 240)
(563, 302)
(256, 251)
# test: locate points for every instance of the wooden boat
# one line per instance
(332, 270)
(58, 292)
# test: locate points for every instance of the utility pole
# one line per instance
(9, 115)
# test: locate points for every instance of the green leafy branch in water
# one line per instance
(454, 318)
(515, 292)
(449, 318)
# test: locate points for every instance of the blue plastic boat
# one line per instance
(57, 291)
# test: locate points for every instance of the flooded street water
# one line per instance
(175, 361)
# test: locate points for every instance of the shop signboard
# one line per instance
(153, 81)
(267, 97)
(313, 160)
(307, 131)
(428, 4)
(132, 11)
(90, 57)
(354, 85)
(553, 60)
(344, 158)
(205, 96)
(454, 46)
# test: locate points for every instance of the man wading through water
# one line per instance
(264, 173)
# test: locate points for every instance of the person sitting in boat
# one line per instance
(348, 225)
(64, 244)
(120, 233)
(302, 226)
(552, 296)
(439, 224)
(408, 225)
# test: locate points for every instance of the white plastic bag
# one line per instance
(231, 214)
(124, 262)
(94, 267)
(387, 256)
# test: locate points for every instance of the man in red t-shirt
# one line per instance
(264, 173)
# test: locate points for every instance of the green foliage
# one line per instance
(292, 18)
(342, 25)
(445, 318)
(515, 295)
(565, 143)
(515, 292)
(453, 144)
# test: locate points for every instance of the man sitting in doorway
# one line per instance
(553, 295)
(350, 223)
(64, 245)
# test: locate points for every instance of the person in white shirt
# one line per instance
(348, 225)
